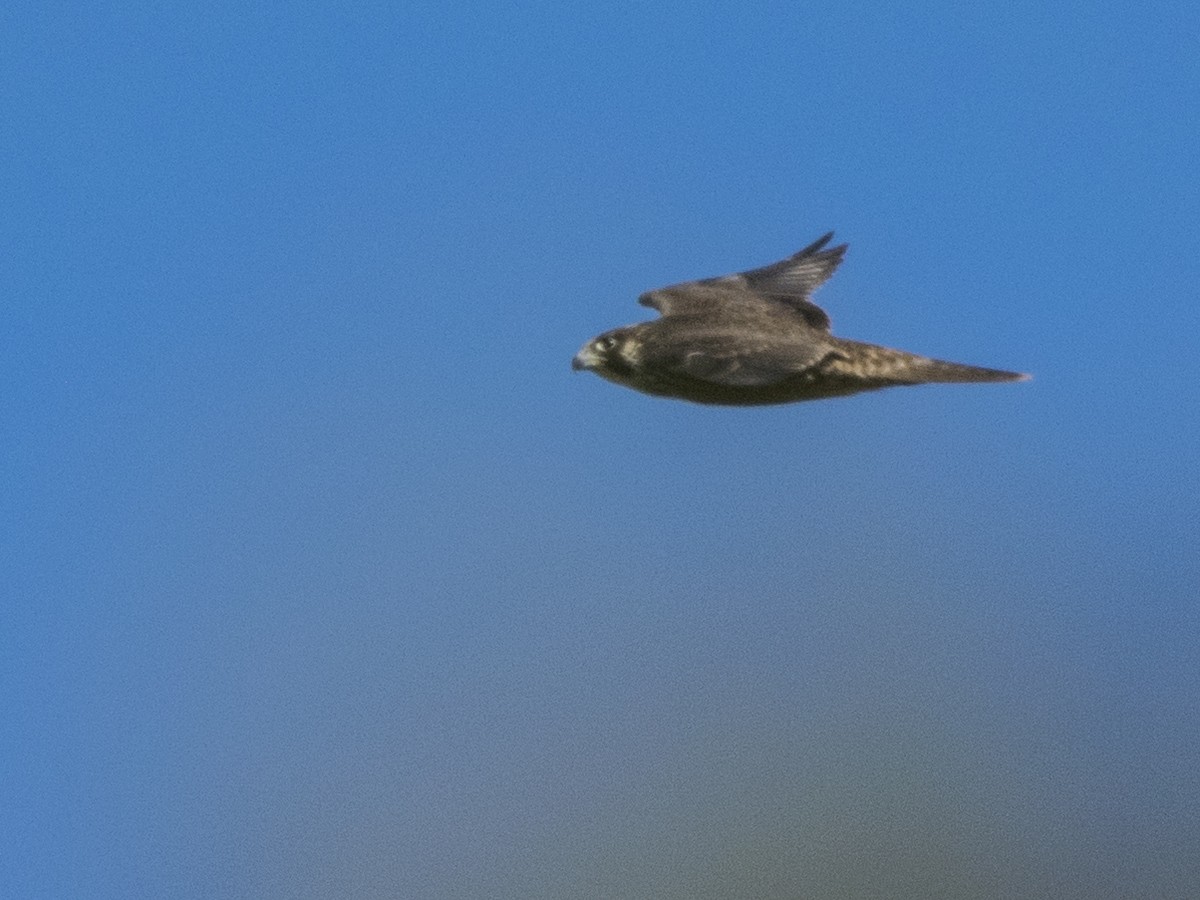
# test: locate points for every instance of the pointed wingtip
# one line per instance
(819, 243)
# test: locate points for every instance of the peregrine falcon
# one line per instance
(755, 338)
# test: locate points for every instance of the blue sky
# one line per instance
(325, 576)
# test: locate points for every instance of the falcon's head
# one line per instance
(612, 355)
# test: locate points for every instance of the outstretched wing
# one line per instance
(796, 277)
(789, 282)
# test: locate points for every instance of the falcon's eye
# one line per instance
(606, 343)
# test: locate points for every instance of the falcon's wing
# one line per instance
(734, 370)
(796, 277)
(789, 282)
(737, 363)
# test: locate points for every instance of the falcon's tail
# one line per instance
(882, 364)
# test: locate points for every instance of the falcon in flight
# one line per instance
(755, 338)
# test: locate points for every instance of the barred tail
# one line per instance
(886, 366)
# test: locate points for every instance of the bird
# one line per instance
(755, 338)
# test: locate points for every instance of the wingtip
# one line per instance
(819, 246)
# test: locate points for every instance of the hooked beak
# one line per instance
(585, 359)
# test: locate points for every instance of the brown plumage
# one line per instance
(755, 338)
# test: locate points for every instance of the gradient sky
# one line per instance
(324, 576)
